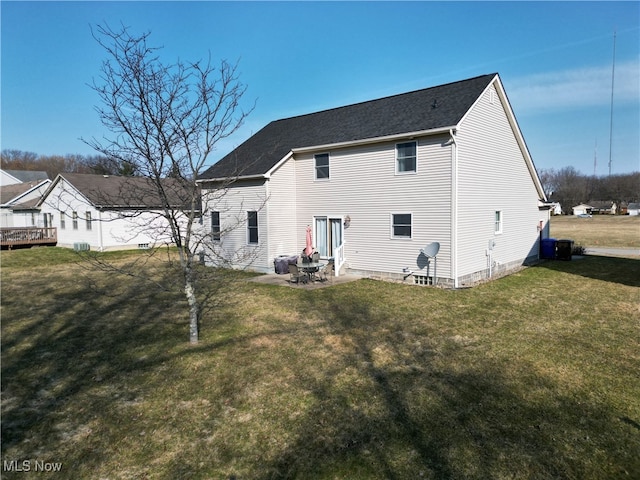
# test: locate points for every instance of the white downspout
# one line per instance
(100, 229)
(454, 210)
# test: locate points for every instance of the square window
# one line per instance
(406, 159)
(401, 225)
(322, 166)
(252, 227)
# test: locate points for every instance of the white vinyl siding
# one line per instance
(109, 230)
(493, 176)
(284, 237)
(370, 199)
(235, 245)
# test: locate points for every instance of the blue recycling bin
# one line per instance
(549, 248)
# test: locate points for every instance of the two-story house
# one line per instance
(378, 181)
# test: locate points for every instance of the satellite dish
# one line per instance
(431, 250)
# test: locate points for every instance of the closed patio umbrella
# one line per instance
(309, 248)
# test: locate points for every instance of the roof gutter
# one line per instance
(260, 176)
(368, 141)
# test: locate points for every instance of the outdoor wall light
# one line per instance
(347, 221)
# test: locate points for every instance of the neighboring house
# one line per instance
(378, 181)
(107, 212)
(603, 208)
(556, 209)
(12, 177)
(633, 209)
(582, 209)
(18, 203)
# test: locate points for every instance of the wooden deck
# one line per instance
(27, 236)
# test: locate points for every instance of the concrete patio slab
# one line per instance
(283, 281)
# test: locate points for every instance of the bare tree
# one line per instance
(165, 120)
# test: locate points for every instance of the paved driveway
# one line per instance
(617, 252)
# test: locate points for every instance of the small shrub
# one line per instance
(578, 250)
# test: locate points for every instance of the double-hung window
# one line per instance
(215, 226)
(62, 220)
(322, 166)
(498, 222)
(74, 220)
(252, 227)
(406, 157)
(88, 220)
(401, 225)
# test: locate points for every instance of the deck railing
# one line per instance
(15, 237)
(338, 255)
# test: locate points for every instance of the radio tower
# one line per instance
(613, 74)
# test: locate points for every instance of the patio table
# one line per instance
(311, 269)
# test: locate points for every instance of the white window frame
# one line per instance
(74, 220)
(317, 168)
(397, 159)
(87, 218)
(498, 219)
(250, 227)
(216, 234)
(393, 225)
(63, 220)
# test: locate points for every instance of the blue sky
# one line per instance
(554, 59)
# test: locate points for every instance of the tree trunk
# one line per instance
(194, 313)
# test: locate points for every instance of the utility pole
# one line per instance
(613, 75)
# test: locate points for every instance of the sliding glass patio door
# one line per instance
(328, 235)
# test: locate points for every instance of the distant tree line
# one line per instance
(55, 164)
(569, 187)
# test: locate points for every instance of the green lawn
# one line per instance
(533, 376)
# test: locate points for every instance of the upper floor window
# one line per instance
(406, 157)
(401, 225)
(215, 226)
(252, 227)
(498, 222)
(322, 166)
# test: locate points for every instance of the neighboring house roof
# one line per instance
(111, 192)
(28, 175)
(424, 110)
(602, 204)
(633, 206)
(11, 195)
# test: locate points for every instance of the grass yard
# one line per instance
(621, 231)
(533, 376)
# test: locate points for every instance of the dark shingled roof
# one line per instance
(427, 109)
(110, 191)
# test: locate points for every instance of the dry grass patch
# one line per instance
(531, 376)
(621, 231)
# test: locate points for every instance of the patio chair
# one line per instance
(296, 275)
(323, 274)
(315, 257)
